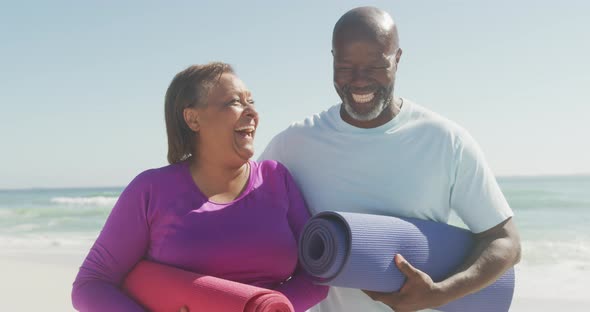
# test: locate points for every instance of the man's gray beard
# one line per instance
(382, 104)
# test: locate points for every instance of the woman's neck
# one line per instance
(221, 183)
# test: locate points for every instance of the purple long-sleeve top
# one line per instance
(164, 217)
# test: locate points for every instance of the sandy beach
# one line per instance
(42, 281)
(542, 305)
(541, 289)
(37, 282)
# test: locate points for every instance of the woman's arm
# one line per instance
(122, 242)
(300, 289)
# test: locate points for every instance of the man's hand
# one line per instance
(494, 252)
(418, 292)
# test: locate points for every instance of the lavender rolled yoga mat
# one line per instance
(356, 251)
(162, 288)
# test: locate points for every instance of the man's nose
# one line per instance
(359, 77)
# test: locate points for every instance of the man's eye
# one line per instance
(251, 101)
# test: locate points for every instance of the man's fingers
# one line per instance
(404, 266)
(372, 294)
(390, 299)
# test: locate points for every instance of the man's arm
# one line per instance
(495, 251)
(477, 199)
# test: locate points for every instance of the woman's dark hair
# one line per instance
(189, 88)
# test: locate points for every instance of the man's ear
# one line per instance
(191, 117)
(398, 55)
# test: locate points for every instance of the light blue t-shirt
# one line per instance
(419, 165)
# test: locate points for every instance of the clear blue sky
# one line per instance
(82, 82)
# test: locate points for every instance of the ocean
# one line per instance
(552, 214)
(54, 219)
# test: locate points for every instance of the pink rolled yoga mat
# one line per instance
(162, 288)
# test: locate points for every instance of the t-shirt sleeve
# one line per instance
(300, 289)
(122, 242)
(273, 150)
(475, 194)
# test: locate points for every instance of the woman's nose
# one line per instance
(250, 111)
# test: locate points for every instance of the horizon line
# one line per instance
(498, 177)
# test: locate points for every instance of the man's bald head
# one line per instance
(366, 23)
(366, 54)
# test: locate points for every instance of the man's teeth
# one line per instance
(363, 98)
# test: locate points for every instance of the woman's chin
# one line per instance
(245, 153)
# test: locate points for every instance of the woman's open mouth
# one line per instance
(246, 131)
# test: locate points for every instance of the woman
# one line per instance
(211, 211)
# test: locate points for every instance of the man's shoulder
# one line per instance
(296, 137)
(316, 121)
(430, 120)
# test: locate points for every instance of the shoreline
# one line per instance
(513, 176)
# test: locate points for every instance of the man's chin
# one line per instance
(362, 114)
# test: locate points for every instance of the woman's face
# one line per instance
(227, 123)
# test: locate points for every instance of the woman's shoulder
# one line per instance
(160, 175)
(271, 176)
(269, 166)
(269, 172)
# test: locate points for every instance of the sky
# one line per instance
(82, 83)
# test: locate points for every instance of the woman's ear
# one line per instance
(191, 117)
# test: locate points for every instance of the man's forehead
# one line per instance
(368, 61)
(368, 48)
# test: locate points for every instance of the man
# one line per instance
(379, 154)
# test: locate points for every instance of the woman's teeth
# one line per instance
(246, 130)
(363, 98)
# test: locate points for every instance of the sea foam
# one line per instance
(86, 201)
